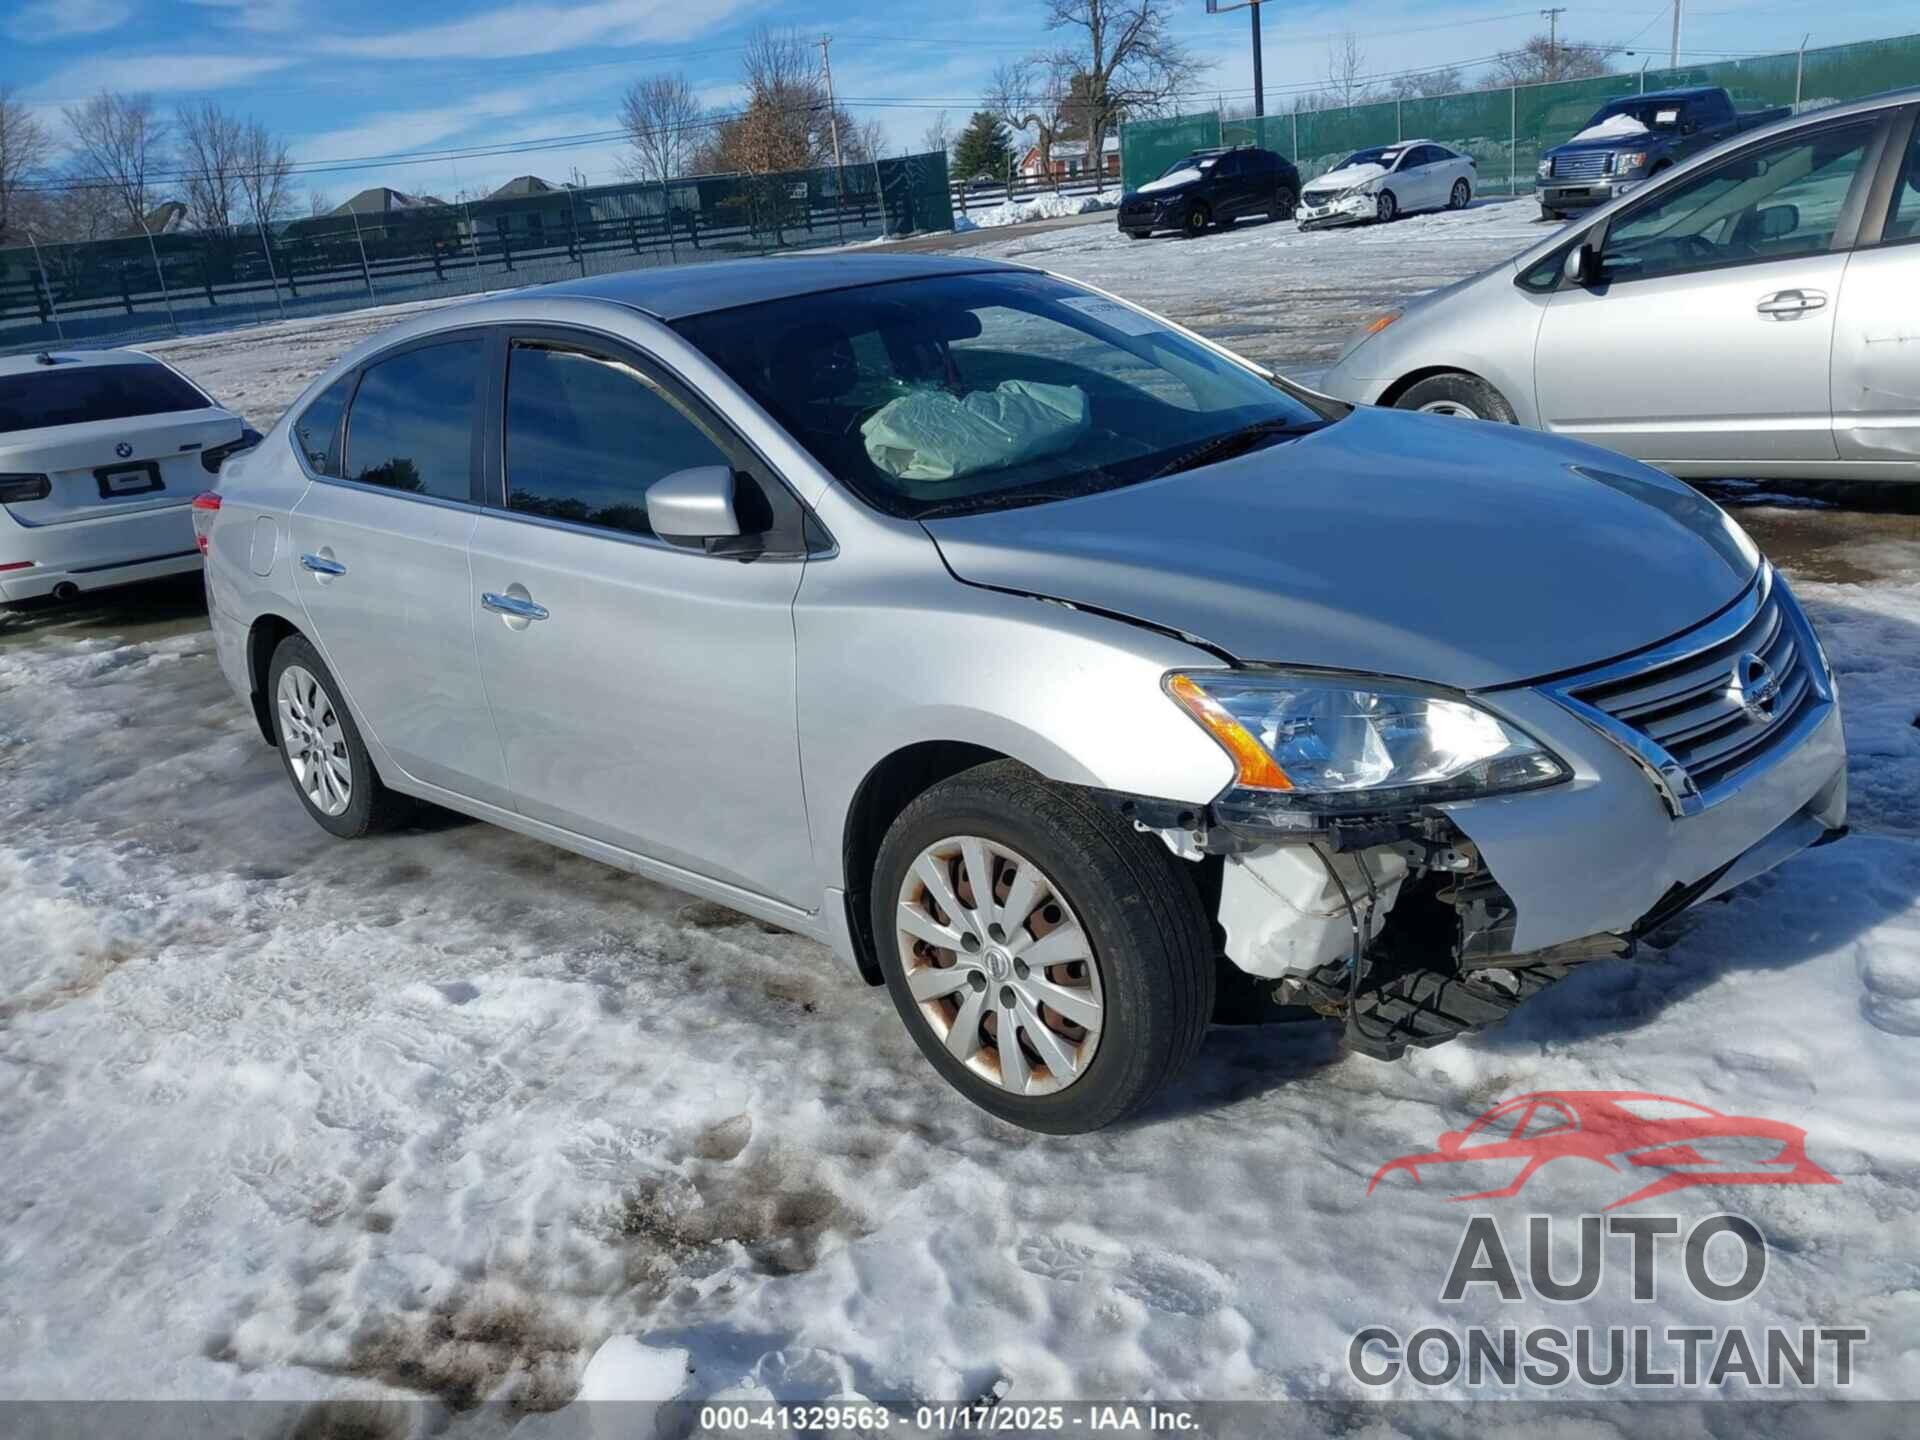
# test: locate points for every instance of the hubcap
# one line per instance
(315, 745)
(999, 966)
(1449, 407)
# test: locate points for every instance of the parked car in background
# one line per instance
(1633, 139)
(1749, 313)
(930, 607)
(1212, 187)
(1387, 181)
(101, 453)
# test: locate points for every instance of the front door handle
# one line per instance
(1785, 304)
(323, 565)
(517, 607)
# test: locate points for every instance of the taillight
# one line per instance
(16, 489)
(207, 502)
(210, 460)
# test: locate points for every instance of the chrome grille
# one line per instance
(1582, 165)
(1703, 710)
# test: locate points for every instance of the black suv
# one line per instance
(1212, 187)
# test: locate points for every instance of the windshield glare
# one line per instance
(1188, 162)
(1383, 155)
(975, 392)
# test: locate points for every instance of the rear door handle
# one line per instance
(1785, 304)
(321, 565)
(516, 606)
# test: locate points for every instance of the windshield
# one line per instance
(978, 392)
(1654, 114)
(1381, 155)
(1188, 162)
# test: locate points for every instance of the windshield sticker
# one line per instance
(1112, 312)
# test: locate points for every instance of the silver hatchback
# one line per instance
(1749, 313)
(1059, 669)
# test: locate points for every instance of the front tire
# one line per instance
(1139, 234)
(1460, 395)
(1553, 217)
(1091, 949)
(1285, 202)
(1386, 206)
(1197, 219)
(321, 749)
(1462, 193)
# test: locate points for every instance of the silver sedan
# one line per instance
(1749, 313)
(1057, 668)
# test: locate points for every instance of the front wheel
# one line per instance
(1459, 395)
(1139, 234)
(1462, 193)
(1552, 217)
(1285, 202)
(1053, 963)
(1197, 221)
(1386, 205)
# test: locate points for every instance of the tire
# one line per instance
(1551, 216)
(1286, 200)
(1460, 195)
(300, 685)
(1139, 234)
(1459, 394)
(1386, 207)
(1197, 219)
(1148, 967)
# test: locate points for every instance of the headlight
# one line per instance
(1363, 188)
(1304, 744)
(1629, 160)
(1546, 169)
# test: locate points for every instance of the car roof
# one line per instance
(675, 292)
(1682, 92)
(67, 359)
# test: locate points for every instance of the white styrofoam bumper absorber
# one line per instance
(1284, 915)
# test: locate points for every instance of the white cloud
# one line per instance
(260, 17)
(157, 74)
(42, 20)
(519, 30)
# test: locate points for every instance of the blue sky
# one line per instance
(351, 78)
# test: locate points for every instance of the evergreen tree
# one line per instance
(983, 148)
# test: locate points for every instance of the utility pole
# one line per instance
(833, 115)
(839, 170)
(1673, 56)
(1552, 17)
(1259, 84)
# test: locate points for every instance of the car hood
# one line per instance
(1452, 551)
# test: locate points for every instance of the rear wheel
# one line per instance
(1462, 193)
(1386, 205)
(1053, 963)
(1457, 394)
(1286, 200)
(321, 748)
(1198, 218)
(1139, 234)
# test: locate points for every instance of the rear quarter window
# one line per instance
(79, 394)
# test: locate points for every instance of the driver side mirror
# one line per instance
(694, 506)
(1582, 265)
(1778, 221)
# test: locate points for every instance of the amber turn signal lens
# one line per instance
(1258, 769)
(1380, 322)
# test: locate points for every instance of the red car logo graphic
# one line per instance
(1688, 1144)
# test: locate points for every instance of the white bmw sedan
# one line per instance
(101, 454)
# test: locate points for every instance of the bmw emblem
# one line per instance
(1755, 686)
(123, 449)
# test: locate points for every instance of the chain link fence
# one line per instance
(149, 287)
(1506, 130)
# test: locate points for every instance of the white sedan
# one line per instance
(101, 454)
(1387, 181)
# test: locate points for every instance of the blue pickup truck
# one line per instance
(1635, 137)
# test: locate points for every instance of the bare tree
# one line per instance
(786, 104)
(23, 150)
(211, 142)
(1543, 58)
(869, 142)
(119, 143)
(319, 202)
(1346, 70)
(661, 116)
(1446, 80)
(1031, 96)
(266, 171)
(937, 138)
(1119, 59)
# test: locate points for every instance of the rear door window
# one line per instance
(411, 426)
(78, 394)
(587, 434)
(317, 431)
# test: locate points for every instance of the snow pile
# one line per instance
(1614, 127)
(1050, 206)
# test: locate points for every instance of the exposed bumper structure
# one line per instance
(1317, 212)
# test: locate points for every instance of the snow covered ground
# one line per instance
(449, 1114)
(1040, 207)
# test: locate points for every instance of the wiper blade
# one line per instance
(1237, 442)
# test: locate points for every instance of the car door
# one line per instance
(1876, 339)
(1424, 189)
(1706, 335)
(380, 546)
(644, 692)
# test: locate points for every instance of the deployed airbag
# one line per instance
(934, 435)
